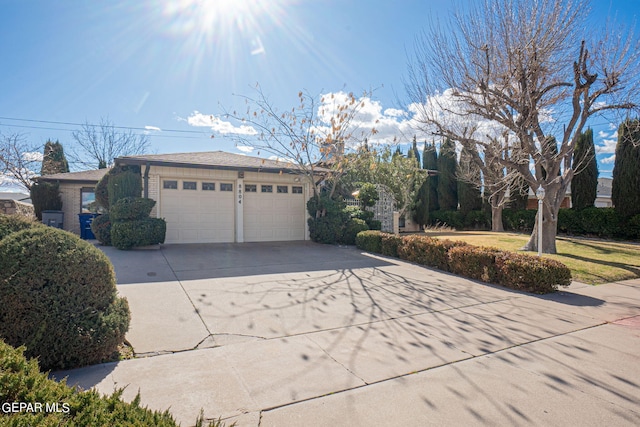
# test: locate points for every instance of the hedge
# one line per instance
(516, 271)
(59, 299)
(351, 230)
(13, 223)
(140, 232)
(427, 251)
(22, 381)
(370, 241)
(101, 227)
(131, 208)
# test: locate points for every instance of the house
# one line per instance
(208, 197)
(603, 196)
(76, 192)
(15, 204)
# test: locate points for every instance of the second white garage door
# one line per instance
(198, 211)
(274, 212)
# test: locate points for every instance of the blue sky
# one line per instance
(156, 63)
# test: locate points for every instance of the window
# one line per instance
(250, 188)
(170, 185)
(296, 189)
(283, 189)
(226, 187)
(266, 188)
(208, 186)
(87, 200)
(189, 185)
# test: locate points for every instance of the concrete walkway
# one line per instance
(304, 334)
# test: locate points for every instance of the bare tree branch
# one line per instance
(19, 160)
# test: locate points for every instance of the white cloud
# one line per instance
(603, 134)
(32, 156)
(607, 146)
(245, 148)
(608, 160)
(154, 128)
(218, 125)
(613, 126)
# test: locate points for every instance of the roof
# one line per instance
(89, 176)
(20, 197)
(214, 160)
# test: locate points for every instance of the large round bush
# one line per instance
(101, 227)
(59, 299)
(12, 223)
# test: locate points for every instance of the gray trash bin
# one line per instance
(53, 218)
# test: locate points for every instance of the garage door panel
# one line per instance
(198, 216)
(274, 216)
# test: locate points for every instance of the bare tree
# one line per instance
(312, 135)
(96, 146)
(19, 160)
(531, 69)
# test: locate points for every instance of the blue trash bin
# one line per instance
(85, 225)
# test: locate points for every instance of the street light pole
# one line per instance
(540, 196)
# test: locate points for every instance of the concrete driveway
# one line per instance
(304, 334)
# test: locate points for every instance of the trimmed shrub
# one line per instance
(101, 227)
(531, 274)
(139, 232)
(370, 241)
(478, 220)
(569, 221)
(13, 223)
(123, 184)
(632, 229)
(59, 299)
(22, 381)
(601, 222)
(374, 224)
(45, 196)
(131, 208)
(475, 262)
(450, 218)
(353, 227)
(427, 251)
(101, 191)
(519, 220)
(389, 244)
(328, 218)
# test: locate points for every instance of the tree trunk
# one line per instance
(554, 193)
(496, 218)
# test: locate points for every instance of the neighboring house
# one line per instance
(215, 196)
(77, 193)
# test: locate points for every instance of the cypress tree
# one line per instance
(447, 182)
(469, 195)
(53, 159)
(430, 162)
(414, 148)
(584, 185)
(625, 191)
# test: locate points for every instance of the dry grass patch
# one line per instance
(592, 261)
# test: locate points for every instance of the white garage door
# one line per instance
(198, 211)
(273, 212)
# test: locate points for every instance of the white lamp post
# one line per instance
(540, 196)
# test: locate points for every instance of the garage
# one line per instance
(219, 197)
(198, 211)
(273, 212)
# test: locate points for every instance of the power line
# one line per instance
(89, 124)
(153, 135)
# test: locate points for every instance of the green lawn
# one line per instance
(590, 260)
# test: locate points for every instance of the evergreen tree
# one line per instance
(53, 159)
(414, 148)
(469, 182)
(447, 181)
(584, 185)
(430, 162)
(625, 191)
